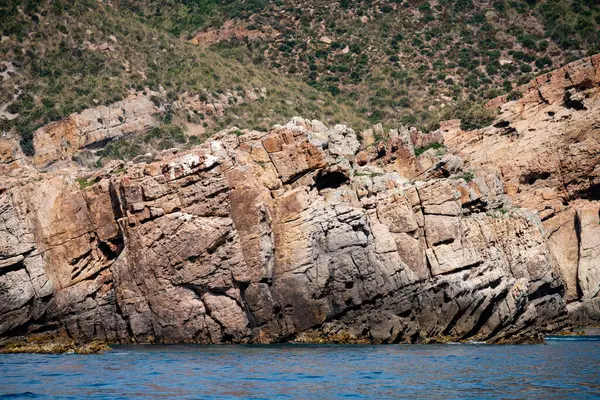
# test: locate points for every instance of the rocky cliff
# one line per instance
(304, 233)
(546, 147)
(93, 128)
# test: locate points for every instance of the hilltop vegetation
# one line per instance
(60, 57)
(410, 62)
(405, 61)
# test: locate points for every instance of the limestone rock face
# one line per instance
(297, 233)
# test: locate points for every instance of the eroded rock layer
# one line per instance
(546, 147)
(275, 236)
(303, 233)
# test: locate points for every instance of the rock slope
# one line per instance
(93, 128)
(547, 149)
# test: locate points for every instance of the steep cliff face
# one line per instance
(547, 149)
(276, 236)
(303, 233)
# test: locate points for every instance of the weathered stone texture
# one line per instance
(304, 233)
(547, 148)
(93, 127)
(261, 237)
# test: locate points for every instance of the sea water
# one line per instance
(557, 370)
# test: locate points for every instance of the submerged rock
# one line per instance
(51, 345)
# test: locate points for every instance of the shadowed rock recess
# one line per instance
(303, 233)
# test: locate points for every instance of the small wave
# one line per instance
(574, 338)
(467, 342)
(26, 395)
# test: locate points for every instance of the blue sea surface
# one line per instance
(563, 369)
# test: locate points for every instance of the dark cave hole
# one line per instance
(332, 180)
(112, 250)
(227, 338)
(573, 103)
(502, 124)
(349, 285)
(545, 290)
(591, 193)
(475, 206)
(531, 178)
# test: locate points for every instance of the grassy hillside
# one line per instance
(61, 57)
(409, 61)
(358, 62)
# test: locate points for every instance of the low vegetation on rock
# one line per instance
(408, 62)
(395, 60)
(61, 57)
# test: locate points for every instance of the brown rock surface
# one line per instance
(550, 88)
(265, 236)
(547, 149)
(93, 127)
(302, 233)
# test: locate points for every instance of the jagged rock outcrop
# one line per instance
(93, 128)
(304, 233)
(289, 234)
(555, 86)
(547, 149)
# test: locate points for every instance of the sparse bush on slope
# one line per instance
(68, 56)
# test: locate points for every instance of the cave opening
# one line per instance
(531, 178)
(330, 180)
(112, 248)
(591, 193)
(573, 102)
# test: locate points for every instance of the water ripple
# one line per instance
(558, 370)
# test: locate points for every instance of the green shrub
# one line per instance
(525, 68)
(467, 176)
(408, 120)
(166, 132)
(472, 115)
(434, 145)
(543, 62)
(514, 95)
(83, 183)
(404, 102)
